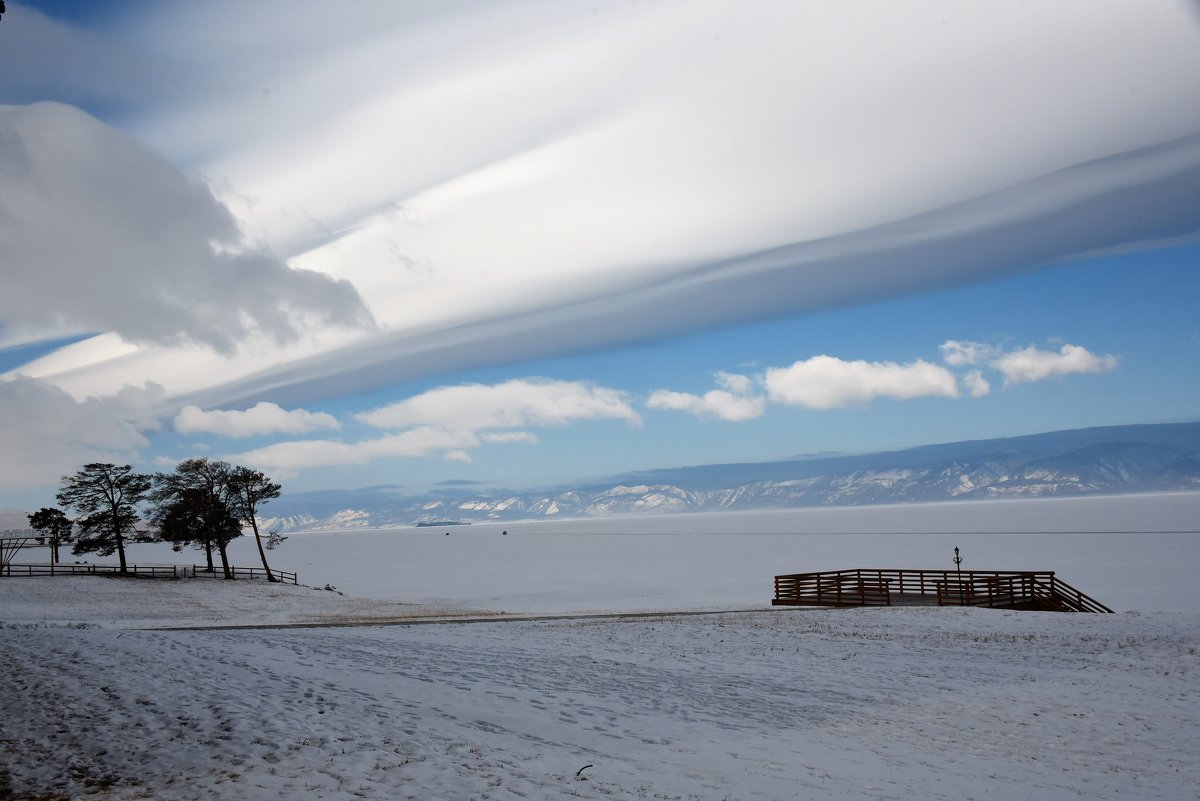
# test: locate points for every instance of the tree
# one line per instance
(53, 523)
(195, 517)
(193, 506)
(249, 488)
(106, 496)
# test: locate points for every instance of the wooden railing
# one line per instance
(245, 572)
(152, 571)
(834, 588)
(1075, 601)
(877, 587)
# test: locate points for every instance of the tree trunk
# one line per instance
(54, 550)
(261, 552)
(208, 555)
(225, 562)
(120, 541)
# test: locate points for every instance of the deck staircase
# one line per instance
(996, 589)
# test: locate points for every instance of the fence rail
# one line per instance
(140, 571)
(245, 572)
(1009, 589)
(152, 571)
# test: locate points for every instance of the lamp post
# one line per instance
(958, 567)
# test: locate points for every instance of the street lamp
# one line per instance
(958, 567)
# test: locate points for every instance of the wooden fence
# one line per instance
(141, 571)
(60, 569)
(244, 572)
(1007, 589)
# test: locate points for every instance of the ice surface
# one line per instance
(1129, 552)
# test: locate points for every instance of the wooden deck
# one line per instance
(998, 589)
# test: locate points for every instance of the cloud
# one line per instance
(735, 382)
(1020, 366)
(513, 404)
(960, 354)
(826, 382)
(981, 239)
(976, 384)
(733, 402)
(47, 433)
(416, 442)
(451, 421)
(1033, 364)
(510, 436)
(262, 418)
(97, 232)
(398, 149)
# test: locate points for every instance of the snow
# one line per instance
(763, 704)
(1128, 552)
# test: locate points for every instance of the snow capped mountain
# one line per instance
(1101, 461)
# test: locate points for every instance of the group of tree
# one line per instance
(203, 503)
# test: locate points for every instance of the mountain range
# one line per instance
(1110, 460)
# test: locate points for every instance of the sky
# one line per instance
(533, 243)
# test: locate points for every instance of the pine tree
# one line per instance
(249, 488)
(193, 506)
(106, 496)
(53, 523)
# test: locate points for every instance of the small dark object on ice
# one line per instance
(581, 770)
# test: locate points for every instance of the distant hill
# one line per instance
(1117, 459)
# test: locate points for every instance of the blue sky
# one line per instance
(529, 243)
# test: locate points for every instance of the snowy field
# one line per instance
(770, 704)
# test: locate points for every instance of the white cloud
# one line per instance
(976, 384)
(400, 150)
(46, 433)
(1034, 364)
(451, 421)
(733, 402)
(734, 382)
(826, 382)
(262, 418)
(715, 403)
(518, 403)
(345, 164)
(510, 436)
(961, 354)
(98, 232)
(416, 442)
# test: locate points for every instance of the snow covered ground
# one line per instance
(770, 704)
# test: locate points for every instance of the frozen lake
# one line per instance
(1136, 552)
